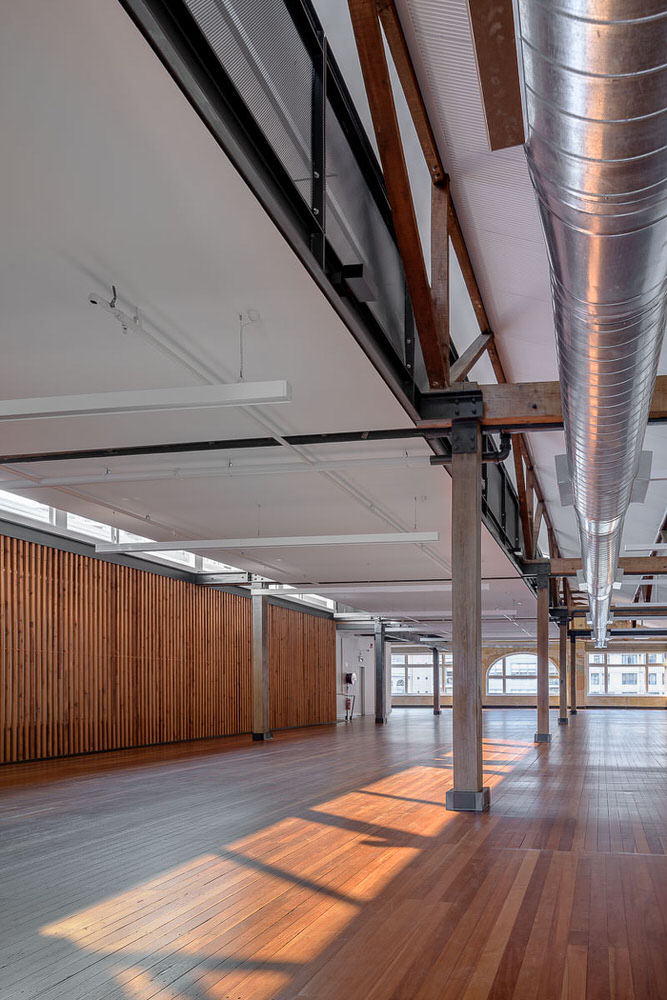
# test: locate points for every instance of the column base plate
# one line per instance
(457, 800)
(257, 737)
(563, 722)
(542, 738)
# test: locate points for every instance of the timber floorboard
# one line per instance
(324, 866)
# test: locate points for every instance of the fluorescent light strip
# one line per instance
(258, 542)
(651, 547)
(229, 470)
(143, 400)
(364, 588)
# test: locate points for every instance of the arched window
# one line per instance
(516, 673)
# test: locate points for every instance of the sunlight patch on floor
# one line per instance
(242, 921)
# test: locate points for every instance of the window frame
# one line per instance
(504, 676)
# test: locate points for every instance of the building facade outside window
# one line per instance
(608, 673)
(516, 674)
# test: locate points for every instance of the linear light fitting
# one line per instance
(229, 470)
(650, 547)
(283, 541)
(136, 401)
(364, 588)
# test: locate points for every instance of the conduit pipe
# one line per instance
(595, 86)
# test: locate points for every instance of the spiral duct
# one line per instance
(595, 86)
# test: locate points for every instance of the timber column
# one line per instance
(260, 667)
(382, 707)
(543, 735)
(573, 674)
(562, 669)
(436, 681)
(468, 793)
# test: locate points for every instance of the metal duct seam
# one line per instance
(595, 79)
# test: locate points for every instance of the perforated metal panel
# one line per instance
(259, 47)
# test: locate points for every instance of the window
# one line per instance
(516, 674)
(656, 682)
(608, 673)
(446, 674)
(621, 681)
(129, 536)
(420, 681)
(317, 599)
(397, 679)
(412, 672)
(84, 526)
(596, 680)
(178, 556)
(24, 507)
(213, 566)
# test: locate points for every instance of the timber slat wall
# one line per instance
(302, 669)
(96, 656)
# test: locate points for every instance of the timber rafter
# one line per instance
(386, 12)
(429, 312)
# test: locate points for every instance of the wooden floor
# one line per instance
(324, 866)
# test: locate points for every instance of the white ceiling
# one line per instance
(109, 176)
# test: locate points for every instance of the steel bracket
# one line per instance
(542, 575)
(464, 437)
(452, 404)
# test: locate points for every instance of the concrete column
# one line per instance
(260, 668)
(436, 681)
(562, 681)
(573, 675)
(468, 793)
(381, 686)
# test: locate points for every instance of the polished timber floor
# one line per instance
(324, 866)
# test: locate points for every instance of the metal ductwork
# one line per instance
(595, 86)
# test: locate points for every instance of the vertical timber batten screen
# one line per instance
(302, 669)
(96, 656)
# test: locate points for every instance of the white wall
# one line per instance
(354, 654)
